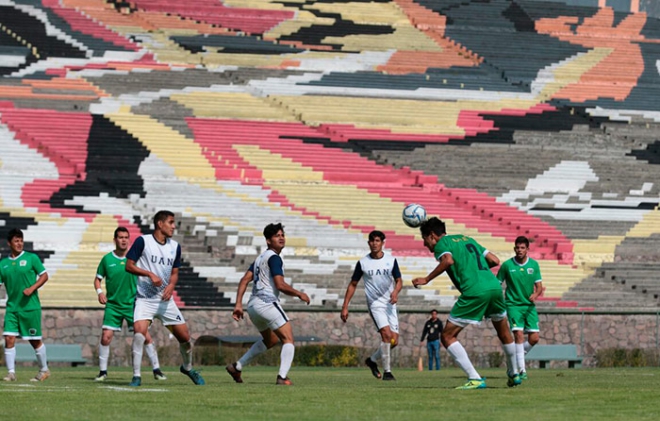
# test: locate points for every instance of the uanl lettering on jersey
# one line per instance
(378, 272)
(161, 261)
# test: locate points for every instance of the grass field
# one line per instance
(335, 394)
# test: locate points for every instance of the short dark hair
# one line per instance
(522, 240)
(272, 229)
(376, 234)
(434, 311)
(432, 225)
(121, 229)
(162, 216)
(15, 232)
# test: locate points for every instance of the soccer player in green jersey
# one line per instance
(23, 274)
(468, 265)
(119, 301)
(523, 286)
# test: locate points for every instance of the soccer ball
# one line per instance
(413, 215)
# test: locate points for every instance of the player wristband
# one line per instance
(99, 291)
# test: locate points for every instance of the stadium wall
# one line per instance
(589, 331)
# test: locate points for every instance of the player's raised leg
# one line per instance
(450, 341)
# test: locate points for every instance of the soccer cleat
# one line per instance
(283, 382)
(234, 372)
(523, 375)
(513, 381)
(158, 375)
(194, 376)
(473, 384)
(101, 377)
(10, 377)
(374, 367)
(136, 381)
(41, 376)
(388, 376)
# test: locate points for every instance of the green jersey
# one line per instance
(470, 273)
(20, 273)
(520, 280)
(121, 286)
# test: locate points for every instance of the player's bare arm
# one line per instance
(288, 289)
(131, 267)
(350, 291)
(446, 260)
(169, 289)
(492, 260)
(101, 296)
(398, 285)
(237, 314)
(538, 290)
(40, 282)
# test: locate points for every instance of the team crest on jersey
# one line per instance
(23, 263)
(32, 331)
(530, 271)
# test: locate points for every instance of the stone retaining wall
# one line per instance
(590, 332)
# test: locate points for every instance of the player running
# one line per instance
(382, 284)
(264, 307)
(468, 265)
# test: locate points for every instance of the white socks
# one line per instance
(10, 359)
(520, 357)
(377, 355)
(152, 354)
(286, 358)
(41, 357)
(459, 355)
(385, 348)
(510, 355)
(256, 349)
(186, 352)
(104, 355)
(138, 344)
(527, 346)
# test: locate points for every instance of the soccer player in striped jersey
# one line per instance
(155, 259)
(23, 274)
(382, 284)
(524, 285)
(468, 265)
(119, 301)
(264, 307)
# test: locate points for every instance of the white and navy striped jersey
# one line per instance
(265, 268)
(149, 254)
(378, 275)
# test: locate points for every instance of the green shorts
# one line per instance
(473, 309)
(114, 316)
(26, 324)
(523, 318)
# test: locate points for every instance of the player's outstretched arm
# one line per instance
(398, 285)
(492, 260)
(237, 314)
(350, 291)
(446, 260)
(40, 282)
(538, 290)
(131, 267)
(287, 289)
(101, 295)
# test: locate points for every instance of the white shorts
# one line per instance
(266, 315)
(384, 315)
(166, 311)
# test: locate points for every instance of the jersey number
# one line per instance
(472, 249)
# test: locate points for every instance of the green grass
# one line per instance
(335, 394)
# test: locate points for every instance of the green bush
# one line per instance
(495, 359)
(620, 357)
(326, 356)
